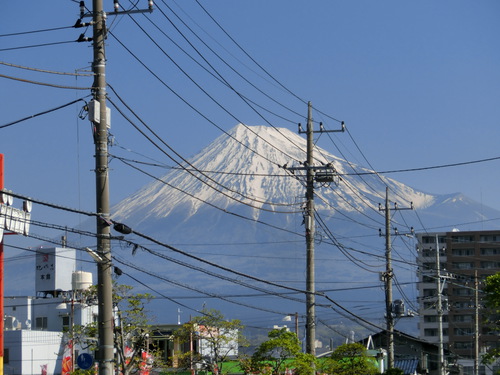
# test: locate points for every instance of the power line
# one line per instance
(257, 200)
(36, 31)
(46, 71)
(36, 45)
(44, 83)
(42, 113)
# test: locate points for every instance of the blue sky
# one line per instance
(416, 82)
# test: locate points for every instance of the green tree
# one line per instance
(220, 339)
(394, 371)
(280, 351)
(131, 333)
(350, 359)
(491, 289)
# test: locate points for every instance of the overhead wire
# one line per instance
(175, 93)
(36, 45)
(195, 169)
(46, 71)
(206, 293)
(43, 113)
(225, 63)
(36, 31)
(358, 262)
(199, 86)
(44, 83)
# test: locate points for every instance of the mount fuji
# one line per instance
(238, 204)
(225, 230)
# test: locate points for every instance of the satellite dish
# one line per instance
(28, 323)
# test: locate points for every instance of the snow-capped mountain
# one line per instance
(239, 204)
(252, 171)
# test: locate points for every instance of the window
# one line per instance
(490, 251)
(489, 238)
(430, 318)
(430, 332)
(462, 252)
(428, 279)
(434, 318)
(432, 239)
(430, 292)
(434, 332)
(463, 318)
(428, 239)
(429, 266)
(65, 322)
(6, 355)
(463, 292)
(490, 265)
(462, 305)
(463, 331)
(429, 305)
(462, 239)
(41, 323)
(462, 265)
(464, 345)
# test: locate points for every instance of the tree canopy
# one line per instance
(220, 339)
(281, 346)
(491, 289)
(350, 359)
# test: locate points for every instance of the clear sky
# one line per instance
(416, 82)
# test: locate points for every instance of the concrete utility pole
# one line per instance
(476, 324)
(439, 308)
(388, 281)
(310, 231)
(388, 275)
(99, 117)
(104, 279)
(325, 175)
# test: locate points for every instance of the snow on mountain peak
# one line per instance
(245, 167)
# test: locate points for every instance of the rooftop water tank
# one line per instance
(81, 280)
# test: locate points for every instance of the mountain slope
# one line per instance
(243, 172)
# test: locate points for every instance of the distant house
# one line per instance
(411, 354)
(163, 338)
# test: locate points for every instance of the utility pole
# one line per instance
(99, 117)
(439, 309)
(104, 279)
(476, 324)
(310, 232)
(323, 174)
(388, 275)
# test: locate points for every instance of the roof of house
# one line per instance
(409, 366)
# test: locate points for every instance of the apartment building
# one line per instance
(463, 260)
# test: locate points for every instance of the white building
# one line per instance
(35, 336)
